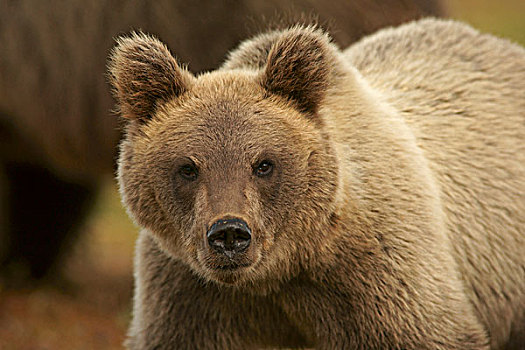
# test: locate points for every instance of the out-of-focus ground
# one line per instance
(92, 307)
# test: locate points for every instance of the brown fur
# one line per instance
(380, 227)
(473, 142)
(54, 102)
(394, 217)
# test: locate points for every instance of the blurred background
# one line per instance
(81, 297)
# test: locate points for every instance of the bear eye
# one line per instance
(264, 168)
(189, 172)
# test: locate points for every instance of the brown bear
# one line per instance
(303, 196)
(58, 141)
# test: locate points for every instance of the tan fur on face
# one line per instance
(201, 117)
(395, 217)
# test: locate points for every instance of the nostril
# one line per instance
(241, 239)
(242, 235)
(230, 236)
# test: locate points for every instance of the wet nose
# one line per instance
(229, 236)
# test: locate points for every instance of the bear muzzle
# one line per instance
(229, 237)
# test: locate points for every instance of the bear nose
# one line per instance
(229, 236)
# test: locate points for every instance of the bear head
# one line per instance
(231, 172)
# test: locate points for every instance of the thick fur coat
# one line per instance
(383, 185)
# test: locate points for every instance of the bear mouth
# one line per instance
(229, 274)
(227, 265)
(230, 267)
(222, 263)
(226, 271)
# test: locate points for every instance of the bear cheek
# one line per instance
(137, 194)
(156, 205)
(278, 198)
(180, 206)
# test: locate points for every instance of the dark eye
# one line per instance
(189, 172)
(263, 169)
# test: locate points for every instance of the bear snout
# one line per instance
(229, 237)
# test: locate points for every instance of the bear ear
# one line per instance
(143, 72)
(300, 66)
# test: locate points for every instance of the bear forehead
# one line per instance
(229, 104)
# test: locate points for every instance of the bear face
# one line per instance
(228, 147)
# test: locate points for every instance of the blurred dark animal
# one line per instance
(57, 138)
